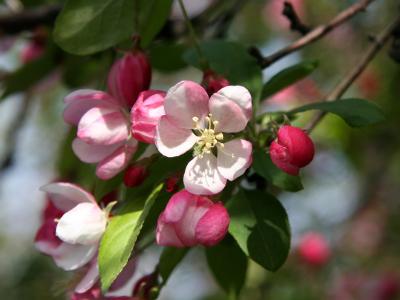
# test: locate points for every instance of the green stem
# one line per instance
(203, 61)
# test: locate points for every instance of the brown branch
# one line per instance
(317, 33)
(28, 19)
(354, 73)
(295, 23)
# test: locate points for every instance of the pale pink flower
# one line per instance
(72, 226)
(189, 220)
(194, 121)
(145, 114)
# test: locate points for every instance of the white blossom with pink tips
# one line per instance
(195, 121)
(72, 240)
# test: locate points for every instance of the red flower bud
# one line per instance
(129, 76)
(144, 285)
(292, 150)
(314, 249)
(33, 50)
(135, 175)
(171, 184)
(213, 82)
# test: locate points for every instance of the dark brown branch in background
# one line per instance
(28, 19)
(354, 73)
(317, 33)
(295, 23)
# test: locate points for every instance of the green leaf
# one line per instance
(87, 26)
(228, 264)
(287, 77)
(231, 60)
(260, 225)
(121, 235)
(263, 165)
(30, 73)
(169, 259)
(167, 57)
(355, 112)
(153, 15)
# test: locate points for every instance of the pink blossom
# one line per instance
(32, 51)
(129, 76)
(95, 294)
(190, 220)
(135, 175)
(192, 120)
(71, 239)
(292, 150)
(314, 249)
(145, 114)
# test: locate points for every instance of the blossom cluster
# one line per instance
(209, 120)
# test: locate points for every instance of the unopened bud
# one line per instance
(135, 175)
(213, 82)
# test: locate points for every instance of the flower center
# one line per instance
(209, 137)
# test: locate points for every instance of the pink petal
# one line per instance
(171, 140)
(202, 176)
(184, 101)
(79, 102)
(46, 240)
(91, 153)
(281, 158)
(117, 161)
(231, 107)
(84, 224)
(90, 278)
(177, 206)
(103, 125)
(71, 257)
(234, 158)
(65, 195)
(166, 235)
(213, 225)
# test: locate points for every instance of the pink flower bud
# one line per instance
(213, 82)
(314, 249)
(135, 175)
(171, 184)
(144, 285)
(32, 51)
(292, 150)
(190, 220)
(145, 114)
(129, 76)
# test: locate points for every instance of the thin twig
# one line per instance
(354, 73)
(295, 23)
(317, 33)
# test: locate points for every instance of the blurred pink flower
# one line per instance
(313, 249)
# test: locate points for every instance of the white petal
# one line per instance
(240, 95)
(84, 224)
(171, 140)
(65, 195)
(91, 153)
(90, 278)
(234, 158)
(202, 177)
(71, 257)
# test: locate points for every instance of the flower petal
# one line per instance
(84, 224)
(232, 108)
(90, 278)
(71, 257)
(117, 161)
(202, 177)
(80, 101)
(234, 158)
(213, 225)
(166, 235)
(91, 153)
(171, 140)
(103, 125)
(66, 196)
(46, 240)
(185, 100)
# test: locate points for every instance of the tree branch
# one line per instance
(295, 23)
(317, 33)
(28, 19)
(354, 73)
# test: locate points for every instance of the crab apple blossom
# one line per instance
(71, 239)
(145, 114)
(314, 249)
(293, 149)
(129, 76)
(33, 50)
(213, 82)
(135, 175)
(189, 220)
(195, 121)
